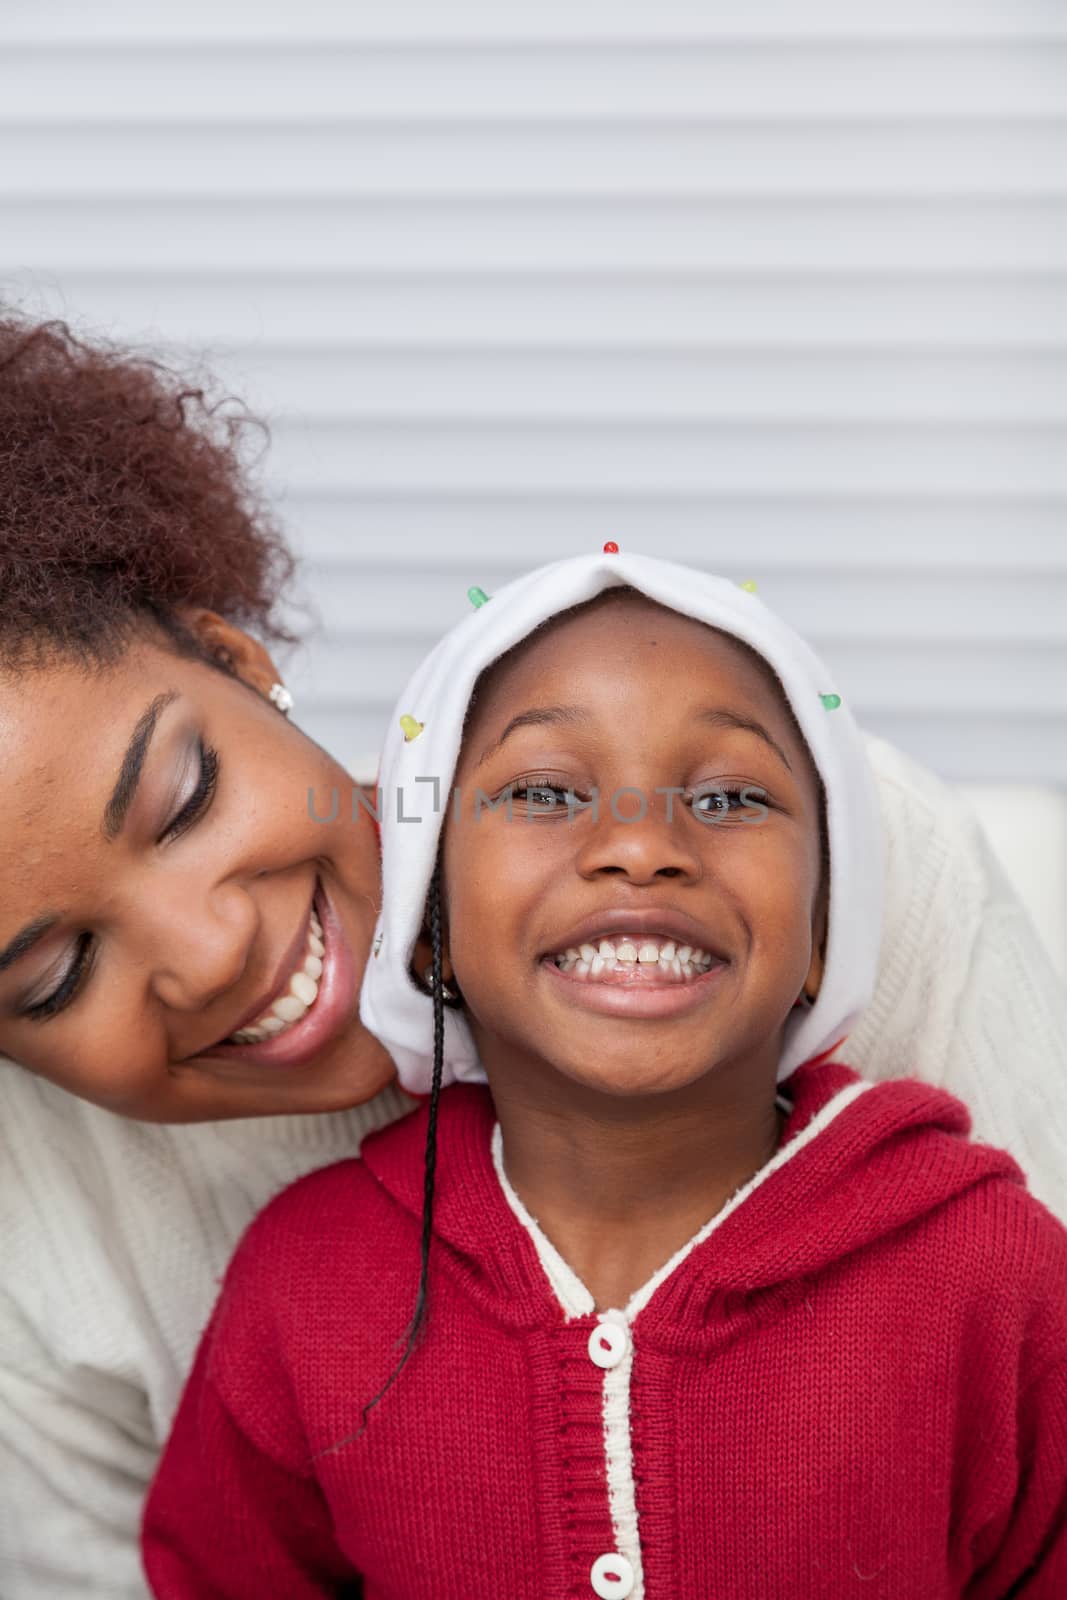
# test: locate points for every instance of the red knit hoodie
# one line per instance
(854, 1384)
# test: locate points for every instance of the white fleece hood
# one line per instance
(413, 811)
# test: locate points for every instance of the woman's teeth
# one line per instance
(673, 962)
(298, 999)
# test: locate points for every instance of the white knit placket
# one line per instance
(576, 1301)
(619, 1457)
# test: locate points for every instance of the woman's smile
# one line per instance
(310, 1004)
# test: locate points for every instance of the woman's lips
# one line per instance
(329, 1013)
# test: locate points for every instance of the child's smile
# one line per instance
(647, 963)
(633, 884)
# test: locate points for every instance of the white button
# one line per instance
(608, 1343)
(612, 1577)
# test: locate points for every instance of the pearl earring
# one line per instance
(280, 697)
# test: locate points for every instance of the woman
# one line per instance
(160, 866)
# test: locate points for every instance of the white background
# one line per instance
(779, 288)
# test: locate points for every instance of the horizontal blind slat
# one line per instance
(1000, 78)
(218, 22)
(978, 158)
(602, 309)
(77, 240)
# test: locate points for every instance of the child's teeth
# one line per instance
(315, 945)
(587, 960)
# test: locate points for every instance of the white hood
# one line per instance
(413, 811)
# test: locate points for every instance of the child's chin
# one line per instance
(637, 1080)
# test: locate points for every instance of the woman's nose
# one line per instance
(199, 946)
(639, 834)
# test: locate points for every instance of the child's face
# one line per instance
(629, 696)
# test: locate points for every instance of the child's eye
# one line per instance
(543, 795)
(725, 800)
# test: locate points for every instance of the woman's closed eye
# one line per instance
(201, 797)
(73, 980)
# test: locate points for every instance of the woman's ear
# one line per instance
(232, 647)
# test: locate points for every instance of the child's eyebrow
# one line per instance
(716, 717)
(539, 716)
(542, 716)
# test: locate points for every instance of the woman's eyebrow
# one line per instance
(26, 938)
(125, 790)
(537, 717)
(716, 717)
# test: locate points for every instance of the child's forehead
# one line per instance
(614, 628)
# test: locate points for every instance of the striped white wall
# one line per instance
(779, 288)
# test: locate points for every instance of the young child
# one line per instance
(699, 1313)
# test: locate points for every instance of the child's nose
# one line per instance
(639, 834)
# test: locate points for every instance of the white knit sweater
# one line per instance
(114, 1235)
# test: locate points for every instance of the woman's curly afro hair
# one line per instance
(123, 497)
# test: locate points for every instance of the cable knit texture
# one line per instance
(114, 1236)
(853, 1384)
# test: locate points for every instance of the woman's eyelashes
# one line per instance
(72, 982)
(74, 978)
(201, 797)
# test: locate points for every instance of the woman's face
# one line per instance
(156, 832)
(705, 930)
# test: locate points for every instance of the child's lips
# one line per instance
(635, 991)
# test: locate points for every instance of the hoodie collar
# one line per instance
(857, 1163)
